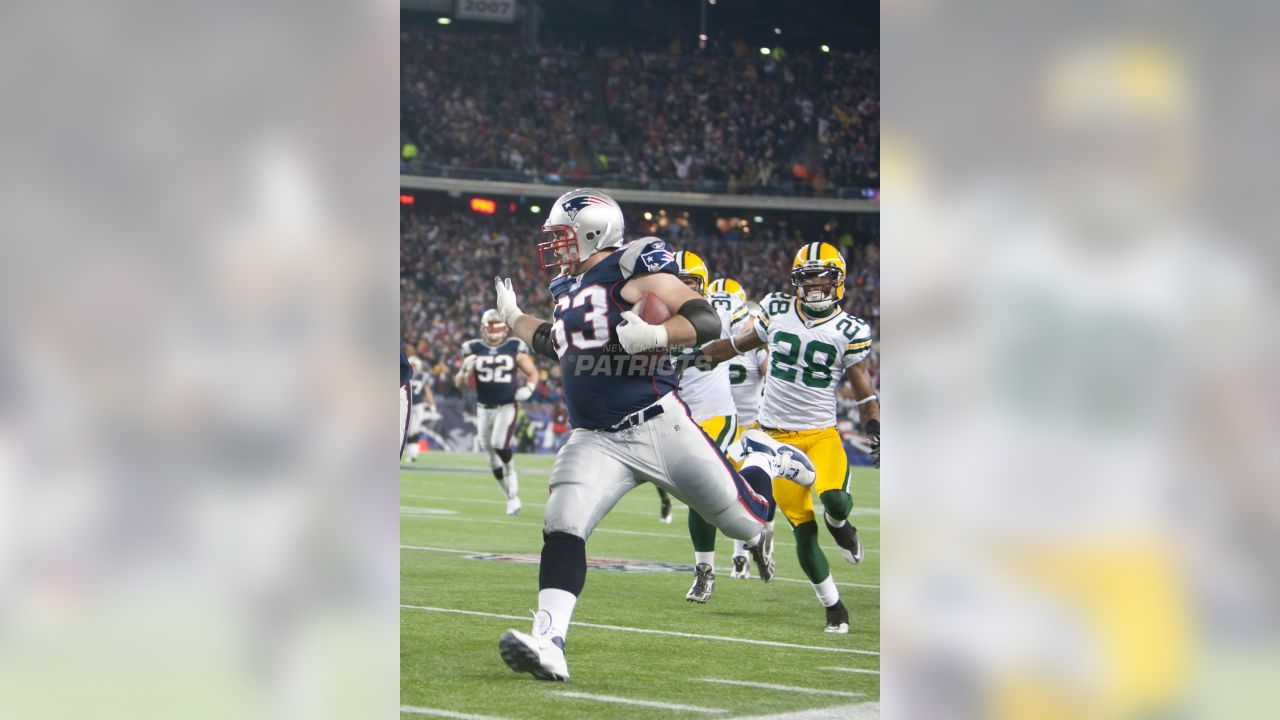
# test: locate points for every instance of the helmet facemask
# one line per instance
(694, 282)
(561, 251)
(494, 331)
(818, 288)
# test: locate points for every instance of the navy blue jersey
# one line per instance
(495, 369)
(420, 381)
(602, 382)
(406, 370)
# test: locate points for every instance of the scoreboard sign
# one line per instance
(487, 10)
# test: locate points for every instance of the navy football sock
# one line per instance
(564, 562)
(760, 481)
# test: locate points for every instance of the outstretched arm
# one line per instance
(721, 350)
(535, 332)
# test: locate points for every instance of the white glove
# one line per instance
(507, 306)
(467, 364)
(636, 335)
(524, 393)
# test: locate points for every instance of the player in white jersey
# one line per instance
(745, 370)
(812, 343)
(707, 393)
(728, 298)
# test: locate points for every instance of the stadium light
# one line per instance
(826, 48)
(648, 215)
(443, 20)
(777, 31)
(764, 51)
(758, 219)
(483, 206)
(535, 209)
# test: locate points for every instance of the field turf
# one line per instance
(454, 607)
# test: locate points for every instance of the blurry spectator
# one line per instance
(735, 118)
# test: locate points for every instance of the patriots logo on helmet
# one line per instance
(573, 206)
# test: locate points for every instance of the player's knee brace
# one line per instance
(504, 455)
(564, 562)
(838, 503)
(812, 561)
(497, 473)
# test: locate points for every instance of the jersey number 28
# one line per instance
(819, 357)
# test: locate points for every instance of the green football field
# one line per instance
(636, 648)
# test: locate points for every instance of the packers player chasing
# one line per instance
(811, 342)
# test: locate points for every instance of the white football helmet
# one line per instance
(491, 325)
(581, 222)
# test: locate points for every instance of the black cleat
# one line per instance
(740, 569)
(837, 619)
(704, 582)
(762, 553)
(846, 537)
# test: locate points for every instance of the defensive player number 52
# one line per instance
(494, 369)
(597, 316)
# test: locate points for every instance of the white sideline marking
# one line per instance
(861, 671)
(486, 501)
(785, 688)
(857, 711)
(641, 533)
(641, 703)
(415, 510)
(723, 570)
(436, 712)
(647, 631)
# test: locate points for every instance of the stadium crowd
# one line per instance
(448, 260)
(730, 120)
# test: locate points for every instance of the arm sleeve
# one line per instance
(541, 341)
(705, 320)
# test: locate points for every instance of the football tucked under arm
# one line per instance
(676, 331)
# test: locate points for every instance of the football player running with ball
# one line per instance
(493, 362)
(811, 343)
(629, 423)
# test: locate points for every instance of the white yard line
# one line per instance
(860, 671)
(724, 570)
(856, 511)
(783, 688)
(858, 711)
(641, 703)
(409, 511)
(436, 712)
(649, 631)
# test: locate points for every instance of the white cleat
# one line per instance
(741, 570)
(513, 505)
(539, 656)
(787, 461)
